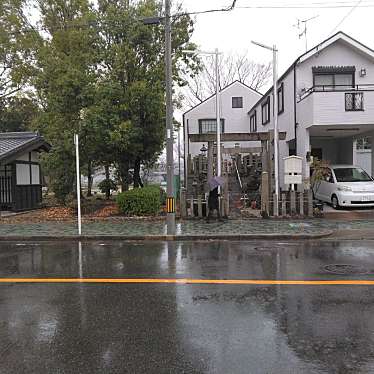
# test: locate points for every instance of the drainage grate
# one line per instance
(345, 269)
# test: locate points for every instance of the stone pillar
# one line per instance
(210, 160)
(265, 193)
(183, 203)
(354, 152)
(264, 155)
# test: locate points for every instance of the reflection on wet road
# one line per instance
(193, 328)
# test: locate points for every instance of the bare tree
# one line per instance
(232, 67)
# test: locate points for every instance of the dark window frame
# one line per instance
(237, 99)
(253, 124)
(354, 109)
(333, 71)
(265, 103)
(280, 90)
(211, 119)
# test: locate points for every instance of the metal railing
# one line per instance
(335, 88)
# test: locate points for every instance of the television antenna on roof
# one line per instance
(302, 28)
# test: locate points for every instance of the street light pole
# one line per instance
(276, 133)
(169, 125)
(76, 143)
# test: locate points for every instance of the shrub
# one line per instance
(106, 185)
(140, 201)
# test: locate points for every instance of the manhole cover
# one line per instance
(345, 269)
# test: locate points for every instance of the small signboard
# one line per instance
(293, 165)
(293, 179)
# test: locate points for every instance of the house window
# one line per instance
(253, 122)
(237, 102)
(265, 111)
(354, 101)
(23, 174)
(207, 126)
(332, 78)
(364, 143)
(280, 99)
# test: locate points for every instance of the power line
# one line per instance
(309, 5)
(95, 24)
(346, 16)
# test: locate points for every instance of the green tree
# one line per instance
(133, 62)
(17, 114)
(65, 83)
(17, 47)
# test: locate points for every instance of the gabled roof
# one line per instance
(223, 89)
(14, 144)
(340, 35)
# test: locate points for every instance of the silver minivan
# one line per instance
(345, 186)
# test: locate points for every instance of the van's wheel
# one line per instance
(335, 202)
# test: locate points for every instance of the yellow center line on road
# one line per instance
(193, 281)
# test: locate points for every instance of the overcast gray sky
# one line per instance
(232, 31)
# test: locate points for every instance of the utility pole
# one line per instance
(304, 31)
(218, 119)
(169, 125)
(276, 134)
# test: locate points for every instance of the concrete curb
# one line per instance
(187, 237)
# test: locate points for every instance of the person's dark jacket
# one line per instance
(213, 199)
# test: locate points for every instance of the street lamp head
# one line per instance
(152, 20)
(264, 46)
(197, 51)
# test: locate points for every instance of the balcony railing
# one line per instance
(325, 105)
(335, 88)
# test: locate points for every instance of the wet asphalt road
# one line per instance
(176, 328)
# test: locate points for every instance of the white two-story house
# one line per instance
(235, 100)
(326, 105)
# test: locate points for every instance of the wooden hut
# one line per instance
(20, 173)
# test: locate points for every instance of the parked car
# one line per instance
(345, 185)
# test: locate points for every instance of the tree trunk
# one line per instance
(137, 180)
(107, 178)
(124, 175)
(89, 179)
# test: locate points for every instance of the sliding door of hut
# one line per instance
(6, 192)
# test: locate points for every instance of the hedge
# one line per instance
(140, 201)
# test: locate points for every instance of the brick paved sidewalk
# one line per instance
(198, 228)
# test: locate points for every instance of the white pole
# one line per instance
(80, 260)
(276, 149)
(76, 142)
(218, 119)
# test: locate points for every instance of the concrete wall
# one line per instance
(363, 159)
(324, 108)
(236, 119)
(286, 119)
